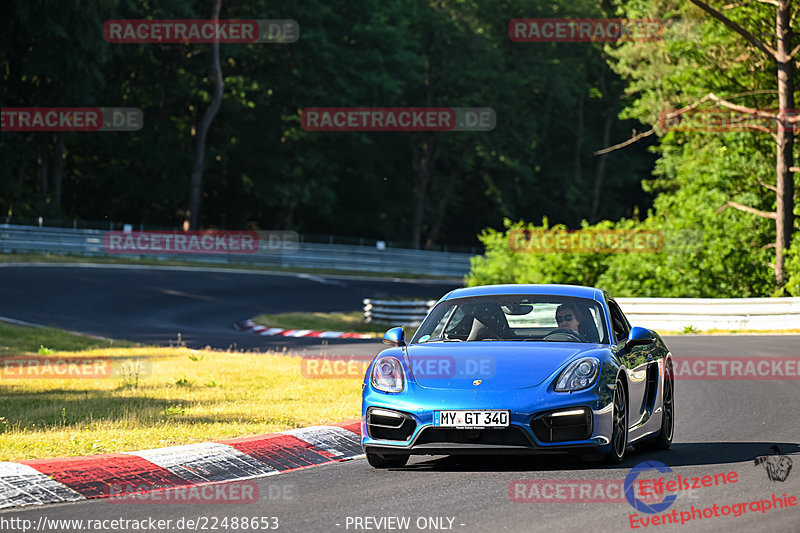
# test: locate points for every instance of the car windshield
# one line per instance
(514, 318)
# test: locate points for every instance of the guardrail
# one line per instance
(660, 314)
(343, 257)
(397, 312)
(702, 314)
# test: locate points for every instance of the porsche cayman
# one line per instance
(519, 369)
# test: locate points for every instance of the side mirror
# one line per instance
(395, 337)
(639, 337)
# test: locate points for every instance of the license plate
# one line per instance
(471, 419)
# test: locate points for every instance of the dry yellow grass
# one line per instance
(179, 396)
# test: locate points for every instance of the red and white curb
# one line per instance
(270, 332)
(44, 481)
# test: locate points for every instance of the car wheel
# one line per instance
(379, 460)
(619, 434)
(663, 440)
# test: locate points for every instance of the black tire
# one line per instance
(663, 440)
(619, 434)
(379, 460)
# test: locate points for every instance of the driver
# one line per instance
(567, 317)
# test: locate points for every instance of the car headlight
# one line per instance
(580, 374)
(387, 375)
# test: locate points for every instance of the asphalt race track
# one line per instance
(154, 305)
(721, 426)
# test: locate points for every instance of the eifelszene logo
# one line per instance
(638, 504)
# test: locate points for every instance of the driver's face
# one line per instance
(566, 319)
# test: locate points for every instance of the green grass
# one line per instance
(351, 322)
(178, 396)
(16, 340)
(131, 260)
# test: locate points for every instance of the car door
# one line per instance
(642, 371)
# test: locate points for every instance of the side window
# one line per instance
(618, 321)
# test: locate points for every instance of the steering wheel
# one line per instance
(565, 331)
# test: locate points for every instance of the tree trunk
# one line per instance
(58, 173)
(441, 209)
(577, 167)
(600, 169)
(423, 161)
(198, 165)
(42, 172)
(785, 140)
(19, 190)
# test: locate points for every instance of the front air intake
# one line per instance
(386, 424)
(562, 426)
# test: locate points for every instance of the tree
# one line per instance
(749, 79)
(198, 163)
(784, 57)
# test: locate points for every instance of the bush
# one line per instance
(793, 267)
(711, 255)
(501, 264)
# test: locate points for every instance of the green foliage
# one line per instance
(793, 267)
(501, 264)
(131, 372)
(184, 382)
(709, 250)
(707, 253)
(702, 257)
(264, 171)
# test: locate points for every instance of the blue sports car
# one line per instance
(519, 369)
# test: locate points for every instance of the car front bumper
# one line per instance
(532, 414)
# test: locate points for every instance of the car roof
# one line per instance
(577, 291)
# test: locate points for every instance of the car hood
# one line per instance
(498, 365)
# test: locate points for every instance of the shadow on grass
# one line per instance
(64, 408)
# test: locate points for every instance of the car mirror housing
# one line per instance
(639, 337)
(395, 337)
